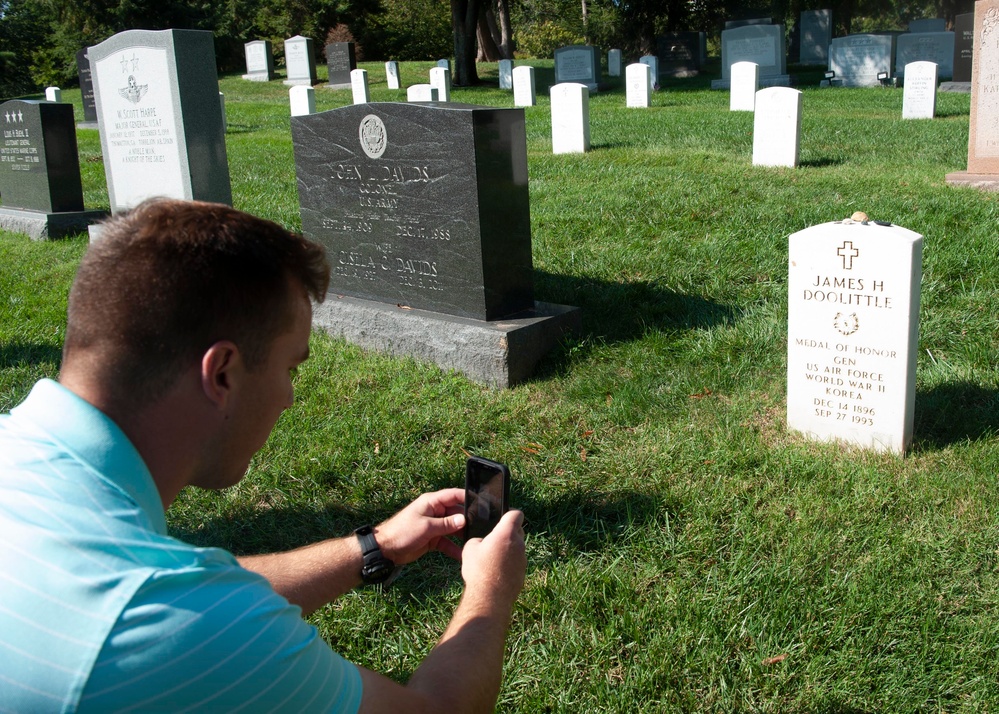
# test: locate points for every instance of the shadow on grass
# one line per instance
(12, 355)
(953, 413)
(819, 163)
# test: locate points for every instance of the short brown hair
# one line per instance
(169, 278)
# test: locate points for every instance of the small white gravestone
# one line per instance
(299, 61)
(745, 83)
(225, 120)
(653, 64)
(614, 63)
(359, 86)
(303, 100)
(421, 93)
(919, 93)
(445, 63)
(53, 94)
(392, 74)
(570, 118)
(506, 74)
(852, 328)
(638, 78)
(936, 47)
(777, 127)
(524, 93)
(440, 79)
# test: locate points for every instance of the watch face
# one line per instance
(377, 571)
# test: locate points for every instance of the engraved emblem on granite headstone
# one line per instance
(374, 139)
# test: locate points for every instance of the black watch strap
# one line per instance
(376, 568)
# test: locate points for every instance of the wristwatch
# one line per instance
(377, 568)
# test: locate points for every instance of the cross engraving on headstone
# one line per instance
(847, 252)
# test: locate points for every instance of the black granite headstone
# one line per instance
(679, 54)
(39, 164)
(86, 86)
(964, 46)
(340, 62)
(422, 205)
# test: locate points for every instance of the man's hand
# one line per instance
(497, 562)
(422, 526)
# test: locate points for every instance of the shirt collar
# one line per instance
(91, 436)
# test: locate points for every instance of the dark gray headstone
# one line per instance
(340, 62)
(964, 46)
(39, 165)
(86, 86)
(814, 37)
(578, 63)
(161, 122)
(679, 54)
(421, 205)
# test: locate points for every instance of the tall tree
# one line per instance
(465, 20)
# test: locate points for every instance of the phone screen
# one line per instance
(487, 490)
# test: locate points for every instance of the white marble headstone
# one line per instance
(524, 93)
(259, 61)
(777, 127)
(614, 63)
(445, 63)
(653, 63)
(853, 322)
(745, 83)
(919, 94)
(359, 86)
(638, 78)
(440, 79)
(300, 61)
(570, 118)
(421, 93)
(857, 60)
(303, 100)
(392, 74)
(506, 74)
(53, 94)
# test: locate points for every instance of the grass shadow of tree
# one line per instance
(954, 412)
(16, 354)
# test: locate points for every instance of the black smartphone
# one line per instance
(487, 495)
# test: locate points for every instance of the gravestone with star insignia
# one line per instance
(157, 97)
(40, 189)
(852, 332)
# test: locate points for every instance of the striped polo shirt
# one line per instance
(100, 610)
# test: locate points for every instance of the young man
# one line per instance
(186, 322)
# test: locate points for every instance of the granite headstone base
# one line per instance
(39, 225)
(95, 125)
(775, 80)
(498, 353)
(985, 182)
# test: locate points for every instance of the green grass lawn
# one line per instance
(686, 553)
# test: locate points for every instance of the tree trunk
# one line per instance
(505, 42)
(464, 21)
(485, 34)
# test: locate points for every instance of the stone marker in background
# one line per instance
(53, 94)
(816, 33)
(919, 94)
(340, 62)
(359, 86)
(614, 63)
(302, 100)
(524, 93)
(225, 119)
(440, 79)
(936, 47)
(638, 78)
(87, 91)
(445, 63)
(653, 63)
(259, 61)
(299, 61)
(579, 64)
(506, 74)
(733, 24)
(161, 126)
(983, 132)
(745, 83)
(570, 103)
(857, 60)
(679, 54)
(424, 212)
(762, 44)
(392, 74)
(421, 93)
(852, 328)
(930, 24)
(777, 127)
(40, 189)
(964, 50)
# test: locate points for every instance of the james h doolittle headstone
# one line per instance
(40, 186)
(853, 322)
(425, 217)
(161, 123)
(983, 134)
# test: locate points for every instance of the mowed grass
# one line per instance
(686, 552)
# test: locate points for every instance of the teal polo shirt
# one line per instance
(100, 610)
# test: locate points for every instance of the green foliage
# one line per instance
(23, 28)
(413, 29)
(542, 39)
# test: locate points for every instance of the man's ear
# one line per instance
(219, 364)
